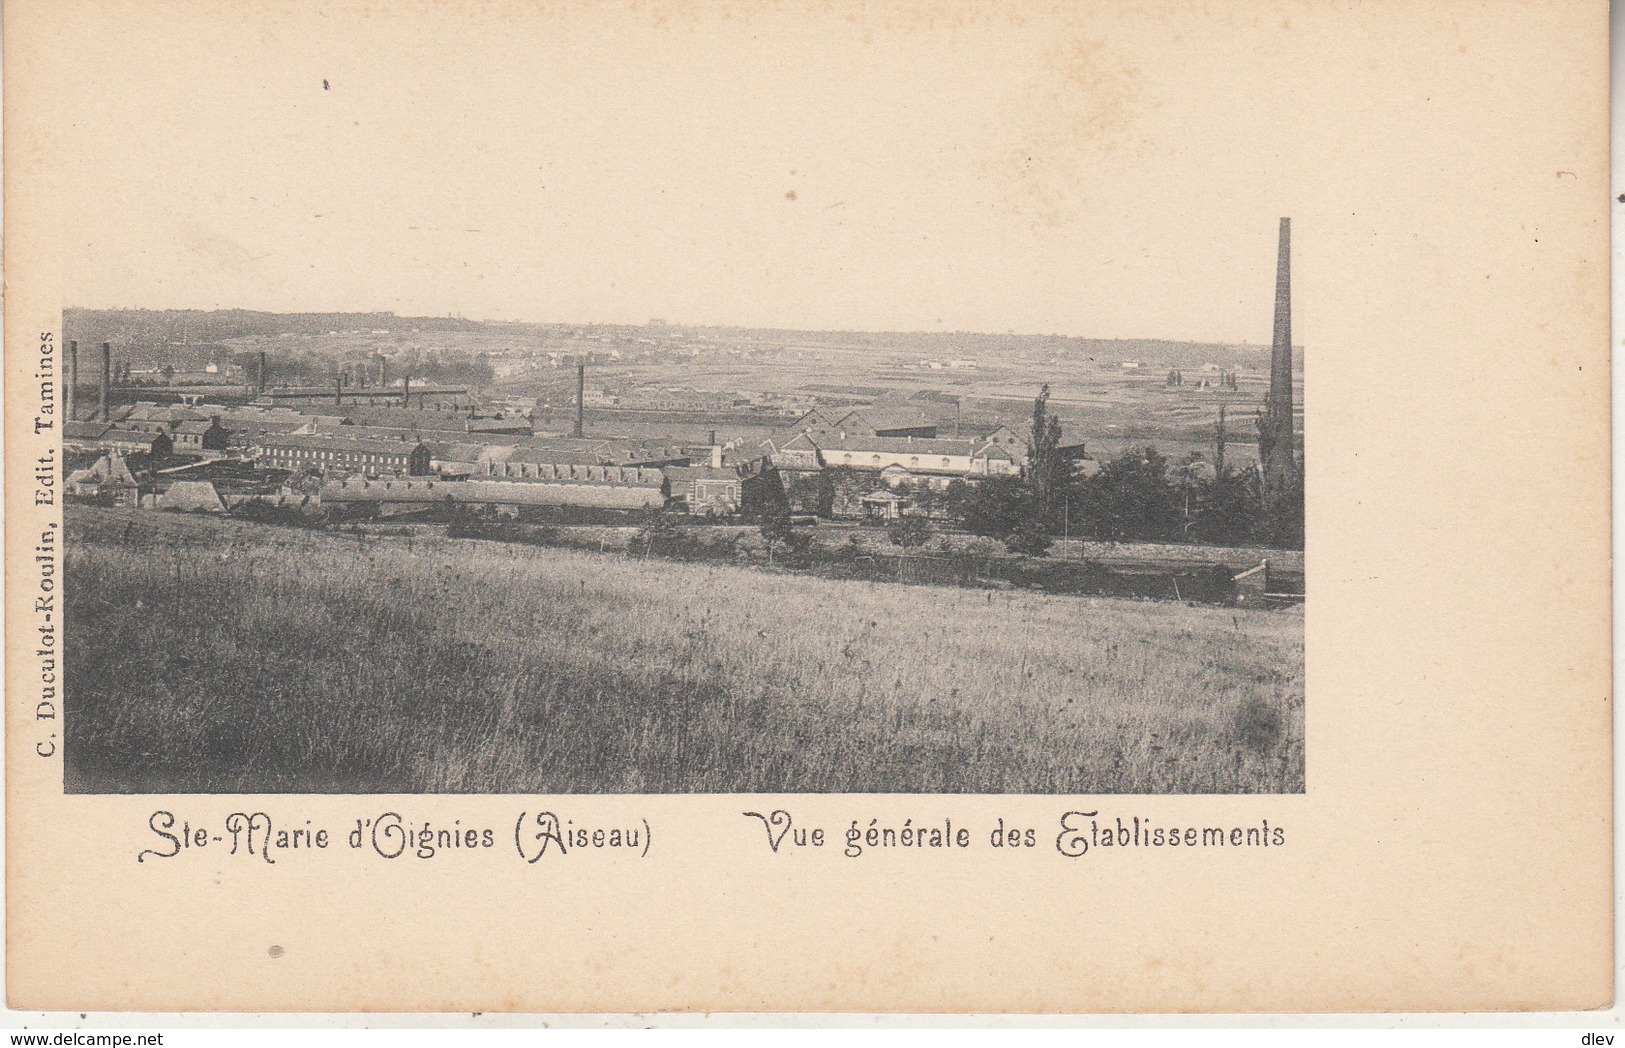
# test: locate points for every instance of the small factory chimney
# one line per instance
(338, 388)
(383, 371)
(73, 377)
(581, 399)
(106, 412)
(406, 391)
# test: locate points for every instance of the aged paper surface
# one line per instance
(1389, 790)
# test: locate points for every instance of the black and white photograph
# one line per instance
(368, 553)
(674, 446)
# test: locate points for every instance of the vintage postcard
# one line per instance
(852, 506)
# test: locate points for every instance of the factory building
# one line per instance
(326, 453)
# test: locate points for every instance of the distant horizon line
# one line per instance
(659, 324)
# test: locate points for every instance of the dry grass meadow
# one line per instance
(212, 655)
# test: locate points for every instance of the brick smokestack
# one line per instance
(383, 371)
(406, 391)
(106, 412)
(581, 399)
(1277, 444)
(262, 372)
(73, 378)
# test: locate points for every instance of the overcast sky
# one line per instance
(1097, 173)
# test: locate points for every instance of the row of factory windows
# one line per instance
(914, 460)
(348, 456)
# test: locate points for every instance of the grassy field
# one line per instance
(212, 655)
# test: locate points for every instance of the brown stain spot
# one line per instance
(275, 952)
(790, 194)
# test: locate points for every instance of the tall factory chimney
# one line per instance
(383, 371)
(1277, 444)
(581, 399)
(262, 373)
(406, 391)
(106, 413)
(1276, 437)
(73, 378)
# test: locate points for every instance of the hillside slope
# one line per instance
(209, 655)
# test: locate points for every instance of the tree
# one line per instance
(1280, 521)
(847, 486)
(1228, 508)
(766, 490)
(1045, 474)
(910, 532)
(775, 528)
(1029, 539)
(947, 503)
(656, 530)
(1131, 498)
(812, 493)
(1189, 480)
(781, 537)
(996, 507)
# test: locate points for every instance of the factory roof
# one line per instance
(911, 446)
(330, 442)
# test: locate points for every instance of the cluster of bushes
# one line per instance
(260, 511)
(1138, 496)
(980, 563)
(504, 531)
(660, 536)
